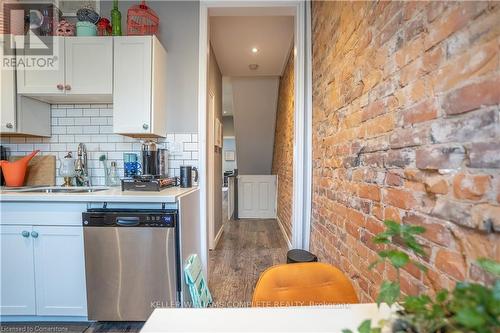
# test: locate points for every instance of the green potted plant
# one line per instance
(469, 307)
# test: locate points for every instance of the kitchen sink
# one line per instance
(69, 190)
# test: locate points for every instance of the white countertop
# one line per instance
(113, 194)
(331, 319)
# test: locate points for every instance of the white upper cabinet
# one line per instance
(139, 86)
(47, 79)
(19, 114)
(7, 97)
(89, 66)
(82, 72)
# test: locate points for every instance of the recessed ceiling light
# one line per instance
(255, 50)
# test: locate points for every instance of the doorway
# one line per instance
(250, 194)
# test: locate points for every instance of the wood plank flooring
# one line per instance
(246, 248)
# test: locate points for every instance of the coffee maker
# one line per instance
(154, 175)
(149, 158)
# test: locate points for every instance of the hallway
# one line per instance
(246, 248)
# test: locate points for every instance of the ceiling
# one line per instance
(233, 37)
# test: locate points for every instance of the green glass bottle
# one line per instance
(116, 20)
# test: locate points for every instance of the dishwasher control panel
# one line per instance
(129, 218)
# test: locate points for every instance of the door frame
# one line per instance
(210, 170)
(302, 165)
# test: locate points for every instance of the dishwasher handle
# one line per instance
(127, 221)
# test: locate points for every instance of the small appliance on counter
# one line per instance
(163, 162)
(149, 158)
(152, 174)
(147, 183)
(187, 175)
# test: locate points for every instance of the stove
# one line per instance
(147, 183)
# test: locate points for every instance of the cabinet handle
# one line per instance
(60, 86)
(9, 125)
(25, 233)
(67, 87)
(34, 234)
(145, 126)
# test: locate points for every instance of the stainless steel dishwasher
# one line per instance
(131, 262)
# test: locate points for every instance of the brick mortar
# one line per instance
(406, 127)
(283, 146)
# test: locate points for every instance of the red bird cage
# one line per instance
(142, 20)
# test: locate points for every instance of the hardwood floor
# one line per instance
(245, 250)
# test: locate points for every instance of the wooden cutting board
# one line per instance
(41, 170)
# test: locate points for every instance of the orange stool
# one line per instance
(303, 284)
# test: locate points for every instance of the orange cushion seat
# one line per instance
(303, 284)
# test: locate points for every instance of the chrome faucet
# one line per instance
(81, 167)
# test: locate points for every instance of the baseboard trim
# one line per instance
(282, 228)
(217, 238)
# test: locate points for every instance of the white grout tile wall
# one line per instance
(92, 124)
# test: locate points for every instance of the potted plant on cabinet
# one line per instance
(469, 307)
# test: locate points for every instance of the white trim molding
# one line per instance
(285, 236)
(303, 144)
(203, 50)
(301, 211)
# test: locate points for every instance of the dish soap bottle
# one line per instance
(113, 178)
(116, 20)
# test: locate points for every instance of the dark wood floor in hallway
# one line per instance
(246, 248)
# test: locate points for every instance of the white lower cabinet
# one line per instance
(17, 271)
(59, 271)
(42, 271)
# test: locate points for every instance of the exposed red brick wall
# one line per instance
(283, 146)
(406, 127)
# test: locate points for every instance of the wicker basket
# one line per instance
(142, 20)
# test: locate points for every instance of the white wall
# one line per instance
(228, 126)
(255, 101)
(179, 31)
(92, 125)
(229, 145)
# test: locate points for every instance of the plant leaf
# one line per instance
(346, 331)
(365, 326)
(398, 259)
(389, 293)
(393, 227)
(381, 239)
(414, 229)
(441, 296)
(470, 318)
(489, 265)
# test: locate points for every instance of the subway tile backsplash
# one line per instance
(93, 125)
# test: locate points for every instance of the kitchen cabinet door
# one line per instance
(89, 66)
(7, 97)
(17, 275)
(59, 271)
(44, 80)
(132, 84)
